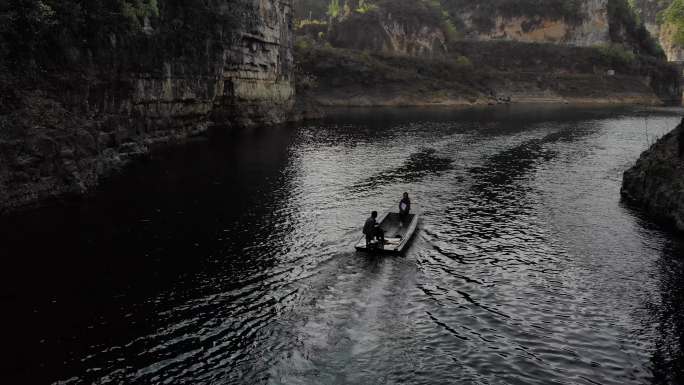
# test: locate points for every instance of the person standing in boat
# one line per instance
(372, 230)
(404, 207)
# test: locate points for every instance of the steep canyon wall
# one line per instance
(191, 65)
(582, 23)
(461, 52)
(405, 27)
(651, 13)
(425, 28)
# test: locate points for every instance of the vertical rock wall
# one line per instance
(648, 11)
(656, 181)
(258, 71)
(246, 80)
(405, 27)
(592, 29)
(666, 36)
(74, 125)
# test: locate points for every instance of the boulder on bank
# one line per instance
(656, 181)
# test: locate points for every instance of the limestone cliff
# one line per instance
(656, 181)
(651, 13)
(484, 51)
(583, 23)
(92, 108)
(406, 27)
(648, 11)
(673, 50)
(425, 28)
(483, 73)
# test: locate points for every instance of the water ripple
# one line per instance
(230, 261)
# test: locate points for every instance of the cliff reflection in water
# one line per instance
(230, 260)
(668, 359)
(157, 258)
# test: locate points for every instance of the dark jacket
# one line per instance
(369, 226)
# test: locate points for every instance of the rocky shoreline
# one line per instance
(66, 155)
(491, 73)
(656, 182)
(353, 97)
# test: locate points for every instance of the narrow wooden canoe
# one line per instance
(397, 234)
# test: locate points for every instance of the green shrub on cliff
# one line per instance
(451, 33)
(137, 10)
(365, 6)
(463, 62)
(673, 16)
(334, 9)
(304, 43)
(617, 56)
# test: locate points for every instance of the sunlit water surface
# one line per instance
(230, 260)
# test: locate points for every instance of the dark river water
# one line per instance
(231, 261)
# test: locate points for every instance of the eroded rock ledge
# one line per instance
(656, 181)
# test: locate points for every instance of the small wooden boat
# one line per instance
(397, 234)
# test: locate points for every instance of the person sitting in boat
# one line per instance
(372, 230)
(404, 207)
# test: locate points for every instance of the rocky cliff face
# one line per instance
(496, 37)
(406, 27)
(388, 34)
(656, 181)
(648, 11)
(585, 26)
(63, 131)
(666, 36)
(475, 73)
(421, 28)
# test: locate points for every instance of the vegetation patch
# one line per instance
(484, 12)
(673, 16)
(477, 71)
(43, 35)
(626, 28)
(617, 56)
(354, 14)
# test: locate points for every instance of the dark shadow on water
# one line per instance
(668, 358)
(667, 310)
(417, 166)
(170, 258)
(500, 199)
(99, 278)
(510, 165)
